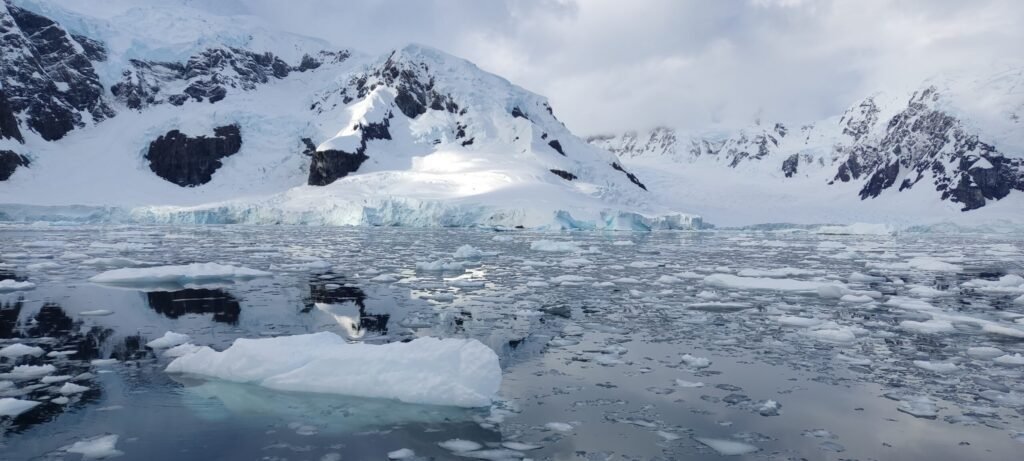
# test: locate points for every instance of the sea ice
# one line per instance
(754, 283)
(168, 340)
(554, 246)
(104, 446)
(72, 388)
(468, 252)
(931, 264)
(727, 447)
(695, 362)
(458, 445)
(18, 350)
(558, 427)
(198, 272)
(14, 407)
(14, 285)
(937, 367)
(1012, 360)
(458, 372)
(985, 352)
(919, 406)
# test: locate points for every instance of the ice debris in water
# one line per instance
(919, 406)
(401, 453)
(1010, 360)
(458, 445)
(197, 272)
(18, 350)
(14, 407)
(14, 285)
(457, 372)
(553, 246)
(937, 367)
(168, 340)
(104, 446)
(984, 352)
(72, 388)
(468, 252)
(727, 447)
(695, 362)
(558, 427)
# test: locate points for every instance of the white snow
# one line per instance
(449, 371)
(727, 447)
(100, 447)
(14, 407)
(168, 340)
(13, 285)
(190, 273)
(18, 350)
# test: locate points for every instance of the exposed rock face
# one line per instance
(412, 81)
(331, 165)
(557, 146)
(564, 175)
(8, 123)
(10, 161)
(207, 76)
(191, 161)
(789, 166)
(49, 76)
(632, 177)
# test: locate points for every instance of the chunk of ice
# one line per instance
(14, 407)
(104, 446)
(458, 372)
(168, 340)
(727, 447)
(19, 350)
(198, 272)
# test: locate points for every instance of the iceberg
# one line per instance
(431, 371)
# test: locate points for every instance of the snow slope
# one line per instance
(328, 136)
(948, 151)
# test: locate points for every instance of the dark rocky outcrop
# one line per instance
(414, 85)
(331, 165)
(564, 175)
(8, 123)
(632, 177)
(10, 161)
(191, 161)
(49, 76)
(557, 146)
(789, 166)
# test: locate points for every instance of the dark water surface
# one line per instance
(596, 339)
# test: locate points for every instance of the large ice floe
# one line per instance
(431, 371)
(190, 273)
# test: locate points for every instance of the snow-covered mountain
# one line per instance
(162, 113)
(950, 150)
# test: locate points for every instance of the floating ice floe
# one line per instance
(985, 352)
(457, 372)
(695, 362)
(558, 427)
(468, 252)
(441, 265)
(932, 264)
(1010, 360)
(104, 446)
(19, 350)
(14, 285)
(773, 284)
(459, 445)
(14, 407)
(727, 447)
(168, 340)
(401, 453)
(29, 371)
(554, 246)
(937, 367)
(919, 406)
(189, 273)
(72, 388)
(773, 273)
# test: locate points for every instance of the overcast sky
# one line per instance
(610, 65)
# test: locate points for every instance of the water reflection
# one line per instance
(338, 297)
(173, 304)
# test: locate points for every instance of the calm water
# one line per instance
(607, 339)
